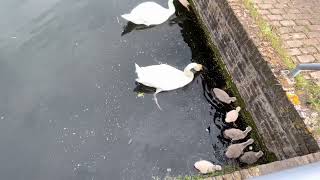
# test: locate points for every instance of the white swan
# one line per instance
(150, 13)
(164, 77)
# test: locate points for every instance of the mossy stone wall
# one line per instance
(277, 121)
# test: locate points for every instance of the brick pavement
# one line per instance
(300, 33)
(298, 24)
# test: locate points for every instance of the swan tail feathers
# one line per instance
(137, 66)
(138, 69)
(126, 16)
(139, 72)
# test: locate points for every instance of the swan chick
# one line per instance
(232, 115)
(223, 96)
(205, 167)
(236, 134)
(251, 157)
(185, 3)
(235, 150)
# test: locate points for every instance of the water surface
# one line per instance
(68, 109)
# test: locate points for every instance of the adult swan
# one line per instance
(150, 13)
(165, 78)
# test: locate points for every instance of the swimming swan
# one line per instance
(165, 78)
(150, 13)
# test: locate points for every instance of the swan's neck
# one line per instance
(187, 71)
(172, 9)
(259, 154)
(247, 143)
(247, 130)
(189, 74)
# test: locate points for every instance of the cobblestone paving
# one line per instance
(298, 24)
(300, 33)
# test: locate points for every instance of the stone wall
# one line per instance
(279, 124)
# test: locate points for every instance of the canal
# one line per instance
(68, 103)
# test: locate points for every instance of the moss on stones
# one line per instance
(246, 116)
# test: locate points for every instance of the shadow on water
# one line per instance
(140, 88)
(129, 27)
(177, 19)
(211, 77)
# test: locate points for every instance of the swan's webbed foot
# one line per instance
(155, 98)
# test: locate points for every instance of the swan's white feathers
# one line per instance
(162, 77)
(148, 13)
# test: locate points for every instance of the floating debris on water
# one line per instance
(84, 110)
(208, 129)
(118, 20)
(140, 94)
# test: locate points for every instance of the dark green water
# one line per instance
(67, 104)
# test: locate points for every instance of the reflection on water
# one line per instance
(131, 26)
(140, 88)
(68, 97)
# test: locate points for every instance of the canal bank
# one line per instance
(278, 122)
(68, 98)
